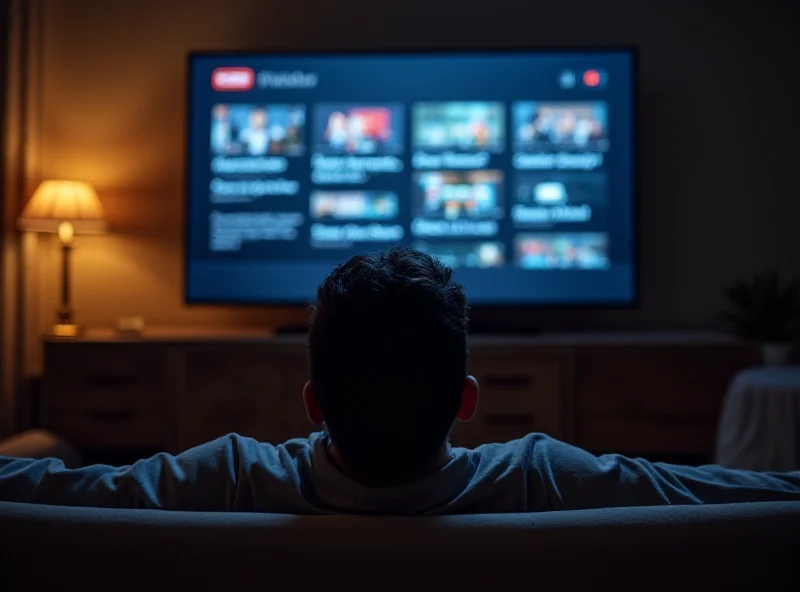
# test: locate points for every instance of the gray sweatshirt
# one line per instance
(533, 474)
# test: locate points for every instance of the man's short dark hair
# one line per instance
(388, 352)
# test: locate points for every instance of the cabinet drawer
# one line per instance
(111, 429)
(104, 365)
(233, 389)
(249, 380)
(512, 385)
(517, 397)
(667, 384)
(85, 377)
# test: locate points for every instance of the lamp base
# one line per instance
(65, 330)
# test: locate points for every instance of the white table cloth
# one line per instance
(759, 428)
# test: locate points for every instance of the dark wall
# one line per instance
(719, 130)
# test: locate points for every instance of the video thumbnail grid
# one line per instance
(467, 205)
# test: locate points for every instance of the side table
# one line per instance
(759, 428)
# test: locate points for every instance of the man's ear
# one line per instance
(470, 392)
(313, 411)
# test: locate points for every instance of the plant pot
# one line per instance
(775, 354)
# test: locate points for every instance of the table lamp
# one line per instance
(66, 208)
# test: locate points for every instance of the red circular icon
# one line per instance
(591, 78)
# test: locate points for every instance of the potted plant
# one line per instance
(766, 309)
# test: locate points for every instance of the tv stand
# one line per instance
(639, 394)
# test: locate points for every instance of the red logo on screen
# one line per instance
(591, 78)
(227, 79)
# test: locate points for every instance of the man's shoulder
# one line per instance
(521, 449)
(290, 444)
(252, 449)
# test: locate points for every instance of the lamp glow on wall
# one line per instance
(66, 208)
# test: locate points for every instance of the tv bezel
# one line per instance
(631, 49)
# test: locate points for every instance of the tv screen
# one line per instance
(517, 169)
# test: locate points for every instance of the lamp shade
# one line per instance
(55, 202)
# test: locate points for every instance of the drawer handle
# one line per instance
(111, 380)
(509, 419)
(110, 414)
(508, 380)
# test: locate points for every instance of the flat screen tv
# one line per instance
(516, 168)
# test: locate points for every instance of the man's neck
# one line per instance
(442, 458)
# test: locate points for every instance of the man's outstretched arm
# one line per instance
(575, 479)
(202, 478)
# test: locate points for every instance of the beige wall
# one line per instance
(719, 134)
(113, 114)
